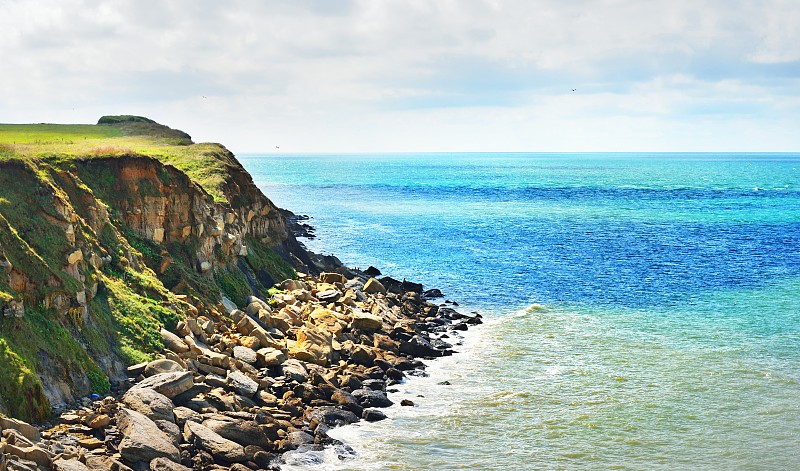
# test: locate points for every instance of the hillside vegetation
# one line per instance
(110, 232)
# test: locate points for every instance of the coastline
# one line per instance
(237, 403)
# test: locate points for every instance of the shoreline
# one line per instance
(271, 381)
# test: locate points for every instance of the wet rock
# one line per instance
(142, 440)
(370, 398)
(220, 448)
(169, 384)
(152, 404)
(347, 401)
(375, 384)
(419, 346)
(373, 415)
(432, 294)
(332, 416)
(372, 271)
(407, 403)
(297, 439)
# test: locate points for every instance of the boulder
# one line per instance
(184, 414)
(25, 429)
(242, 383)
(373, 286)
(332, 416)
(331, 278)
(162, 365)
(270, 357)
(329, 296)
(419, 346)
(373, 415)
(297, 439)
(371, 398)
(291, 285)
(173, 342)
(33, 453)
(295, 370)
(243, 432)
(152, 404)
(163, 464)
(142, 440)
(366, 321)
(346, 401)
(168, 384)
(313, 345)
(245, 354)
(69, 465)
(220, 448)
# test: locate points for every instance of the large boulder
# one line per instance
(242, 383)
(163, 464)
(419, 346)
(25, 429)
(370, 398)
(313, 345)
(162, 365)
(221, 448)
(154, 405)
(173, 342)
(366, 321)
(142, 440)
(243, 432)
(169, 384)
(373, 286)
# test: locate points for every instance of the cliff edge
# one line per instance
(110, 232)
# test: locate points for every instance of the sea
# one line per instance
(642, 311)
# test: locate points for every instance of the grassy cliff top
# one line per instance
(116, 136)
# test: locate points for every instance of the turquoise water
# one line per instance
(642, 309)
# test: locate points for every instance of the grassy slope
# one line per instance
(133, 302)
(58, 142)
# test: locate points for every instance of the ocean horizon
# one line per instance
(641, 308)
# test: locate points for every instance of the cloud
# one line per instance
(414, 75)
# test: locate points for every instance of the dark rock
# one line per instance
(373, 415)
(370, 398)
(432, 294)
(372, 271)
(419, 346)
(346, 401)
(375, 384)
(407, 402)
(444, 383)
(329, 296)
(394, 374)
(296, 439)
(332, 416)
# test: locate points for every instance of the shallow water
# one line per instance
(668, 325)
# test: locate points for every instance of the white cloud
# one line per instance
(415, 75)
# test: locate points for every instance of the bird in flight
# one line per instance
(204, 97)
(574, 89)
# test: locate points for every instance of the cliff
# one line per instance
(110, 232)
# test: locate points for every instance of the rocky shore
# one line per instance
(242, 391)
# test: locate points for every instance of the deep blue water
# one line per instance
(666, 331)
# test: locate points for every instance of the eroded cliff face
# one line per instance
(97, 254)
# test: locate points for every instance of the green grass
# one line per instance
(206, 163)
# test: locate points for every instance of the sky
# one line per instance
(333, 76)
